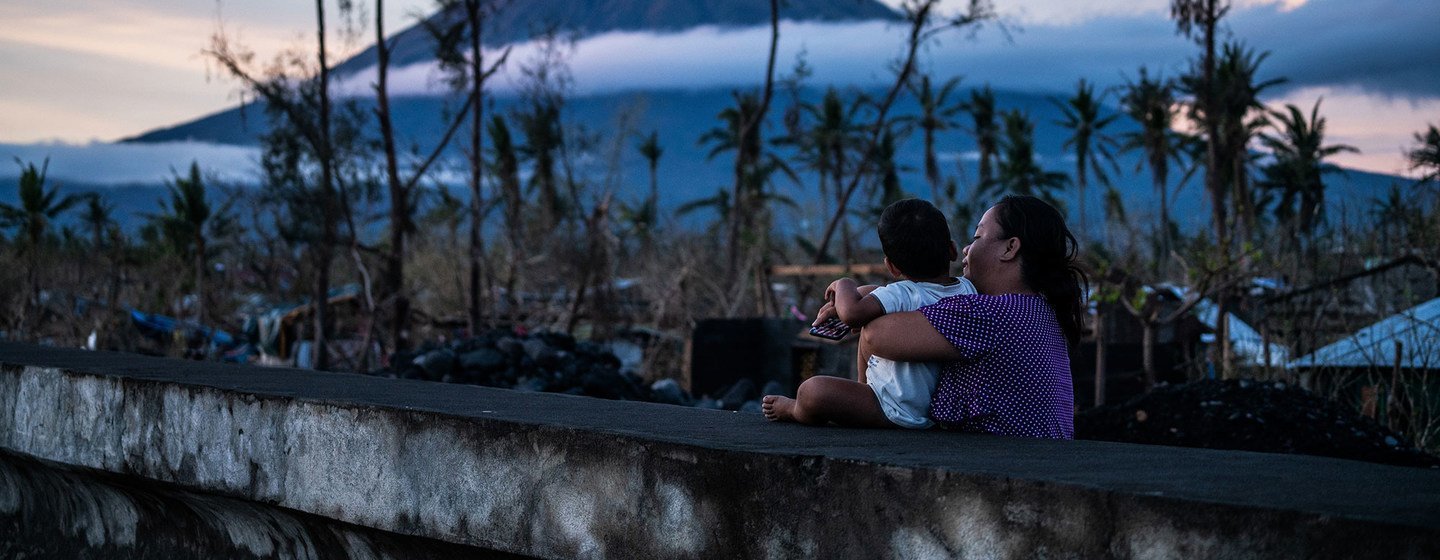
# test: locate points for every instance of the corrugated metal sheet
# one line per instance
(1416, 330)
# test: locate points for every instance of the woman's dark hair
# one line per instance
(1047, 263)
(916, 238)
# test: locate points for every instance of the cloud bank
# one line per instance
(122, 164)
(1313, 44)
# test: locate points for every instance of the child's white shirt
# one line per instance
(905, 388)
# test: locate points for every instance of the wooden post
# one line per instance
(1394, 410)
(1368, 398)
(1099, 357)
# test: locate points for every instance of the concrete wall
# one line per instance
(569, 477)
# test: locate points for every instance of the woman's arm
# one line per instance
(906, 337)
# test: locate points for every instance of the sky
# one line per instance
(85, 72)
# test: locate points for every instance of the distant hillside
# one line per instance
(685, 174)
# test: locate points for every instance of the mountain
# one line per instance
(520, 21)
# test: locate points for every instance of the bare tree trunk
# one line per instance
(932, 169)
(477, 249)
(740, 214)
(1147, 352)
(1099, 357)
(200, 307)
(324, 253)
(399, 197)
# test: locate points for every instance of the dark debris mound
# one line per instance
(557, 363)
(1248, 415)
(548, 362)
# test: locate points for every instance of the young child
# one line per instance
(918, 250)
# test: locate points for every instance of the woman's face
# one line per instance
(986, 251)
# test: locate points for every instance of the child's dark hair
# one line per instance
(916, 238)
(1047, 252)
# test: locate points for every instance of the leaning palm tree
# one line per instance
(1298, 168)
(1151, 103)
(1087, 139)
(937, 114)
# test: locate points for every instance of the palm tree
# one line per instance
(1298, 168)
(650, 149)
(540, 123)
(1152, 104)
(981, 107)
(38, 208)
(1203, 16)
(825, 146)
(887, 188)
(505, 165)
(753, 167)
(97, 218)
(1392, 214)
(183, 223)
(937, 114)
(1425, 158)
(1088, 139)
(1237, 99)
(642, 218)
(1018, 172)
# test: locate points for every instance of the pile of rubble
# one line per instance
(1247, 415)
(555, 363)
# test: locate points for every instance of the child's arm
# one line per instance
(852, 306)
(827, 309)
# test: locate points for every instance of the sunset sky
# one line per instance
(82, 71)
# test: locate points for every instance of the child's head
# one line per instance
(916, 239)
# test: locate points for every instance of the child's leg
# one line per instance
(824, 399)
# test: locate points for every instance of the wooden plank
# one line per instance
(827, 269)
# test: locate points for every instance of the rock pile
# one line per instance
(555, 363)
(1248, 415)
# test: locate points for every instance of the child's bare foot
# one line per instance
(778, 408)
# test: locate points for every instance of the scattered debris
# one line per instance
(1248, 415)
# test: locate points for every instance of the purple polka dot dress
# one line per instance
(1013, 377)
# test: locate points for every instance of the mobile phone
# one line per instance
(833, 329)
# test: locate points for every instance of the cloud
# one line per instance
(1311, 43)
(1374, 124)
(1387, 47)
(121, 164)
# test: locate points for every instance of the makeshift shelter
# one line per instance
(1247, 343)
(1407, 340)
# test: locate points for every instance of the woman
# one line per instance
(1005, 350)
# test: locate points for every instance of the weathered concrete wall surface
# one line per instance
(51, 511)
(568, 477)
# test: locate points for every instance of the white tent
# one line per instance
(1416, 330)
